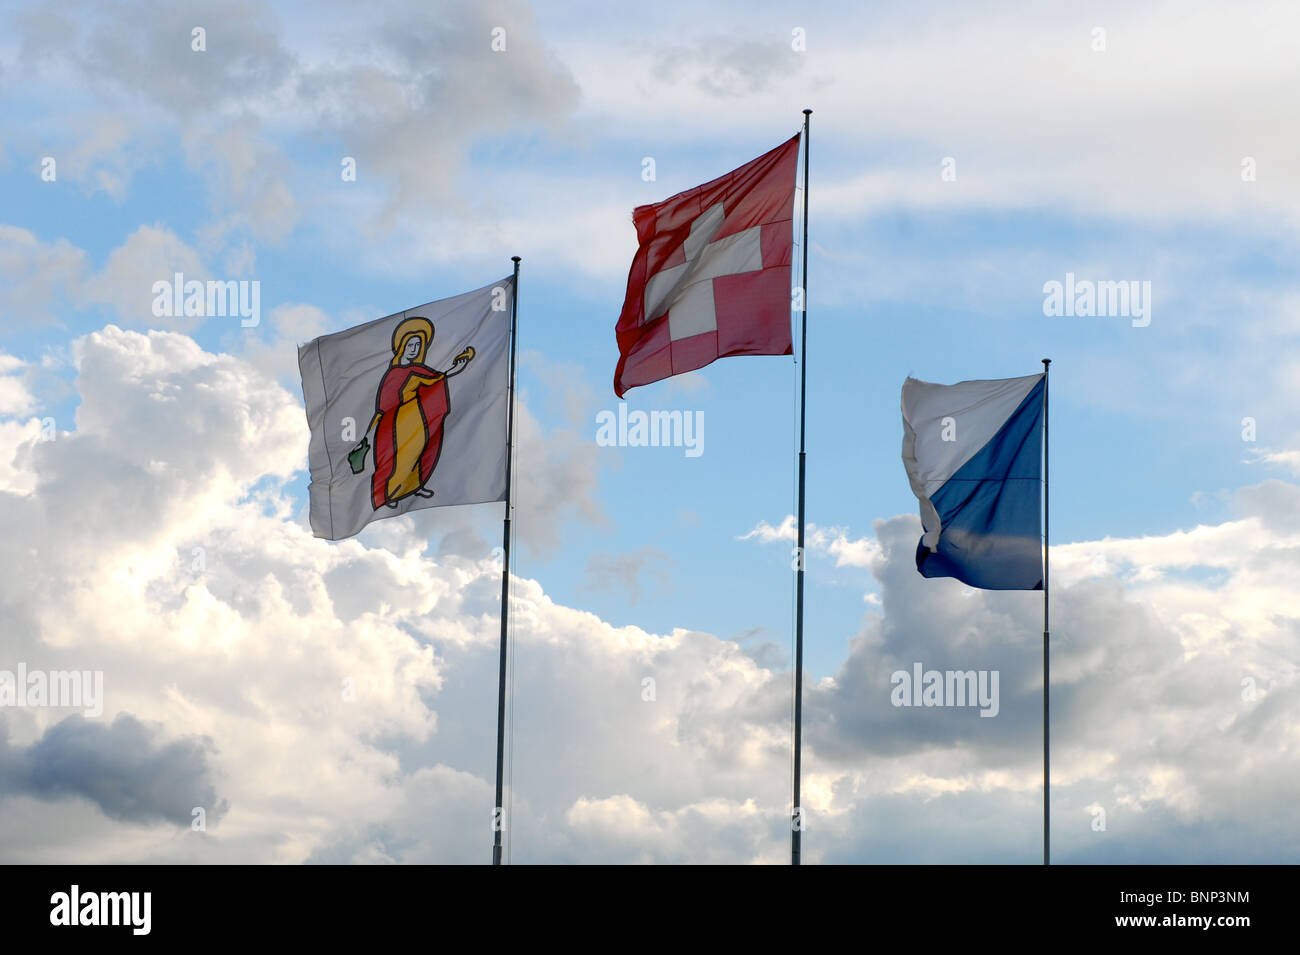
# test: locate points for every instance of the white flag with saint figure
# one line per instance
(409, 411)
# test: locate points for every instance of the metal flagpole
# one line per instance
(498, 813)
(796, 820)
(1047, 783)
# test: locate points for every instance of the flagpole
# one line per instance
(498, 813)
(796, 819)
(1047, 782)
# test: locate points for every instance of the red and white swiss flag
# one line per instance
(712, 275)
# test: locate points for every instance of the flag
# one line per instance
(409, 411)
(973, 455)
(711, 275)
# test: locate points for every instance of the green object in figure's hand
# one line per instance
(357, 457)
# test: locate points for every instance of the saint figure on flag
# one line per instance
(410, 406)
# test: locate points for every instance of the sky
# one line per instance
(153, 480)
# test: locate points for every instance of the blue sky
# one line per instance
(971, 321)
(1121, 163)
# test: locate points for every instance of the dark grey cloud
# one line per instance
(124, 767)
(1100, 637)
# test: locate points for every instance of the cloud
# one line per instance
(99, 160)
(123, 767)
(274, 352)
(15, 398)
(152, 555)
(36, 275)
(346, 692)
(150, 254)
(1009, 97)
(248, 179)
(556, 471)
(16, 429)
(1290, 460)
(625, 571)
(182, 569)
(1165, 688)
(728, 66)
(834, 541)
(392, 110)
(48, 280)
(404, 90)
(141, 41)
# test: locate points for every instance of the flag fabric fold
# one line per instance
(973, 455)
(711, 275)
(408, 411)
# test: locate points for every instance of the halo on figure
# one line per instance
(405, 329)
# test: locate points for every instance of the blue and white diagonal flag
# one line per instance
(973, 453)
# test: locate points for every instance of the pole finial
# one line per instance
(514, 258)
(1047, 361)
(807, 112)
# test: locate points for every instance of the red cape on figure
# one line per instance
(434, 401)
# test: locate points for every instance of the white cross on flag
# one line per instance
(711, 277)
